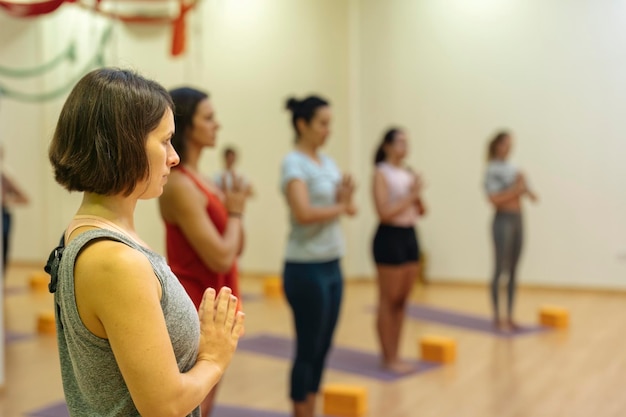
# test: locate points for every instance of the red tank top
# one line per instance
(193, 274)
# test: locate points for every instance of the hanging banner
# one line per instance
(68, 55)
(96, 61)
(22, 9)
(172, 12)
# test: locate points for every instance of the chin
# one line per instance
(150, 194)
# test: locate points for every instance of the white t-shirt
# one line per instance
(318, 242)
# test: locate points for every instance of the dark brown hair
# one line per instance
(304, 109)
(388, 138)
(186, 100)
(99, 145)
(492, 149)
(229, 150)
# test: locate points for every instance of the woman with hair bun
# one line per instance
(318, 195)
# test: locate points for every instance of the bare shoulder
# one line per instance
(105, 261)
(180, 196)
(177, 183)
(378, 176)
(114, 282)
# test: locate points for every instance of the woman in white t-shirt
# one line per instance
(318, 196)
(505, 186)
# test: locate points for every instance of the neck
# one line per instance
(117, 209)
(192, 156)
(396, 162)
(306, 147)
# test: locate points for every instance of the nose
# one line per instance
(172, 158)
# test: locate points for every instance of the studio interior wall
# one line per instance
(250, 55)
(451, 72)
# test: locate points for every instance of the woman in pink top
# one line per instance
(397, 197)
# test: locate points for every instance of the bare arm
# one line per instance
(420, 207)
(184, 205)
(11, 192)
(505, 196)
(388, 210)
(510, 194)
(118, 298)
(303, 211)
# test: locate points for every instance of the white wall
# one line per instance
(450, 71)
(249, 54)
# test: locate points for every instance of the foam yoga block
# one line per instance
(45, 323)
(342, 400)
(39, 281)
(273, 286)
(552, 316)
(438, 349)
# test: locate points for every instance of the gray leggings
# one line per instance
(507, 240)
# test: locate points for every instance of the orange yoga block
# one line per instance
(39, 281)
(46, 323)
(273, 286)
(341, 400)
(438, 349)
(552, 316)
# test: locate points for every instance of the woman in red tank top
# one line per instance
(204, 234)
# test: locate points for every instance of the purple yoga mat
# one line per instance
(249, 297)
(12, 337)
(55, 410)
(340, 359)
(466, 321)
(60, 410)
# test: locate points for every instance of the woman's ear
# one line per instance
(301, 125)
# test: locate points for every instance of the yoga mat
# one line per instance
(12, 337)
(55, 410)
(60, 410)
(466, 321)
(340, 359)
(250, 297)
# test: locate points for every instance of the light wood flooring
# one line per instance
(577, 372)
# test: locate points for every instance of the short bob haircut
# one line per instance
(99, 145)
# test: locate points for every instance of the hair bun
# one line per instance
(292, 103)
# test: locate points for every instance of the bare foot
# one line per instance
(501, 325)
(398, 367)
(513, 326)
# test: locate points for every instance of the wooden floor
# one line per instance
(578, 372)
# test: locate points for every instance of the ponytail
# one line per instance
(388, 138)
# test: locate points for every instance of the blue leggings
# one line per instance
(6, 235)
(313, 291)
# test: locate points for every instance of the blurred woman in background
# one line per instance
(317, 196)
(397, 193)
(505, 186)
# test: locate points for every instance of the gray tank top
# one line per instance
(92, 381)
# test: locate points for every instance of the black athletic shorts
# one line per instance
(395, 245)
